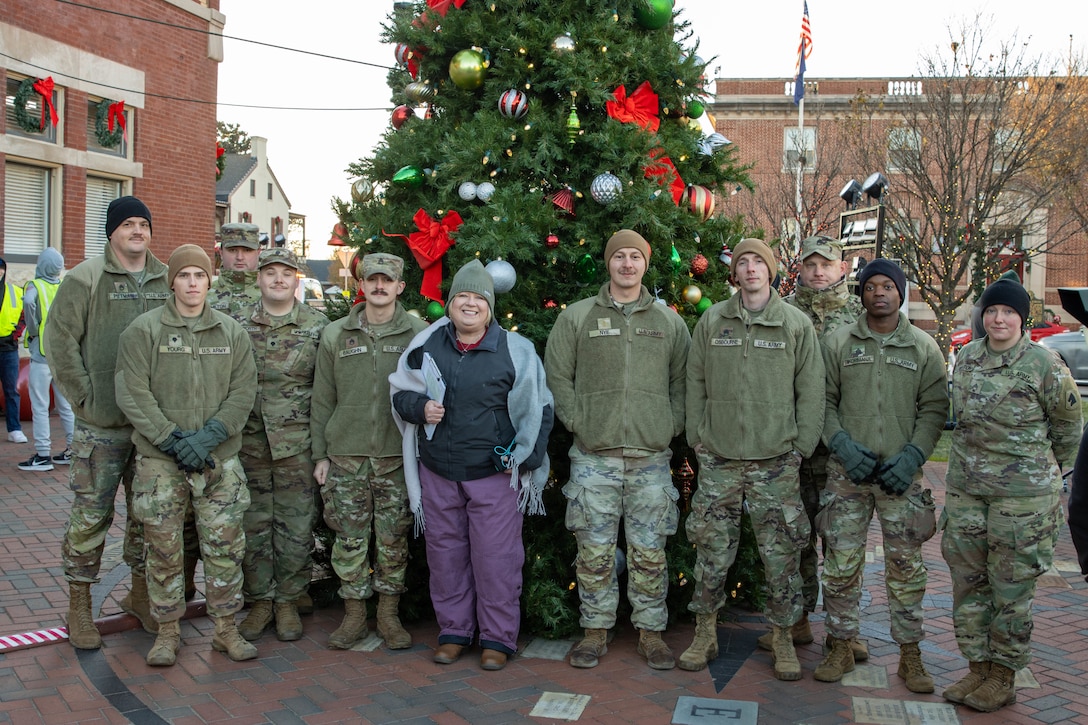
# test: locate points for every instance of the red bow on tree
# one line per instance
(428, 246)
(640, 108)
(439, 6)
(44, 86)
(116, 112)
(662, 166)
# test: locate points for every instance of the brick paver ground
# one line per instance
(303, 682)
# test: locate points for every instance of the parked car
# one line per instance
(311, 292)
(962, 335)
(1073, 346)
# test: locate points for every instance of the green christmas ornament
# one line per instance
(435, 310)
(674, 258)
(585, 269)
(408, 176)
(703, 305)
(653, 14)
(574, 124)
(695, 109)
(467, 69)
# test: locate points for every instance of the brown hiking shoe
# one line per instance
(257, 621)
(654, 650)
(998, 690)
(81, 630)
(912, 670)
(839, 661)
(592, 647)
(784, 656)
(975, 677)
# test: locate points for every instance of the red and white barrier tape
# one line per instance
(32, 639)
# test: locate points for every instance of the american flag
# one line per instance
(804, 50)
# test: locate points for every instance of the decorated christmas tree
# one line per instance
(525, 134)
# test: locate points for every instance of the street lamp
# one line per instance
(851, 194)
(863, 228)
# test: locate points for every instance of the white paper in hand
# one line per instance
(436, 387)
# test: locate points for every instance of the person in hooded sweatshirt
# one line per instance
(37, 299)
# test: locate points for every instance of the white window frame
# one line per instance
(30, 196)
(904, 148)
(796, 141)
(123, 149)
(51, 133)
(101, 190)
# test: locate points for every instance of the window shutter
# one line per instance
(100, 192)
(26, 209)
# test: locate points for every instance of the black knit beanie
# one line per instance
(123, 208)
(887, 268)
(1010, 293)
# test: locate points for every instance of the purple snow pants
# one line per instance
(475, 555)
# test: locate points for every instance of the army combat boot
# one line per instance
(975, 677)
(257, 621)
(653, 648)
(353, 628)
(839, 661)
(996, 692)
(784, 656)
(388, 623)
(228, 640)
(588, 652)
(164, 653)
(704, 646)
(137, 604)
(912, 670)
(81, 630)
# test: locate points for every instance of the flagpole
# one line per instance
(800, 165)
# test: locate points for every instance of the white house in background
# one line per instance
(249, 192)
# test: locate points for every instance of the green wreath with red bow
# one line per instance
(109, 123)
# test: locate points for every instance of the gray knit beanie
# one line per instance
(473, 277)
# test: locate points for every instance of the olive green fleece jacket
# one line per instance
(618, 380)
(178, 373)
(885, 394)
(95, 302)
(350, 412)
(755, 387)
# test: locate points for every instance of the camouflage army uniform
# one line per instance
(618, 381)
(885, 392)
(96, 301)
(175, 372)
(352, 426)
(767, 371)
(276, 453)
(828, 309)
(235, 293)
(1019, 423)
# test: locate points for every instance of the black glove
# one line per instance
(897, 473)
(194, 451)
(857, 460)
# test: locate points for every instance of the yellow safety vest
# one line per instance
(46, 292)
(12, 310)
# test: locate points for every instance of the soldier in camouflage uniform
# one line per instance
(1019, 423)
(822, 294)
(357, 451)
(755, 400)
(187, 380)
(276, 450)
(235, 291)
(96, 301)
(887, 401)
(615, 364)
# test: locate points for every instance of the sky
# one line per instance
(309, 150)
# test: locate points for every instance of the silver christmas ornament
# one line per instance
(467, 191)
(606, 188)
(485, 191)
(503, 275)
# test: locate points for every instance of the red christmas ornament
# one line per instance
(564, 199)
(700, 201)
(401, 114)
(550, 303)
(552, 241)
(699, 264)
(513, 104)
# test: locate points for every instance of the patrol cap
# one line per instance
(390, 265)
(278, 256)
(240, 235)
(826, 247)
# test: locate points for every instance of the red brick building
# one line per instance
(758, 115)
(160, 58)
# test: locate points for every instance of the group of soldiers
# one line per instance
(807, 412)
